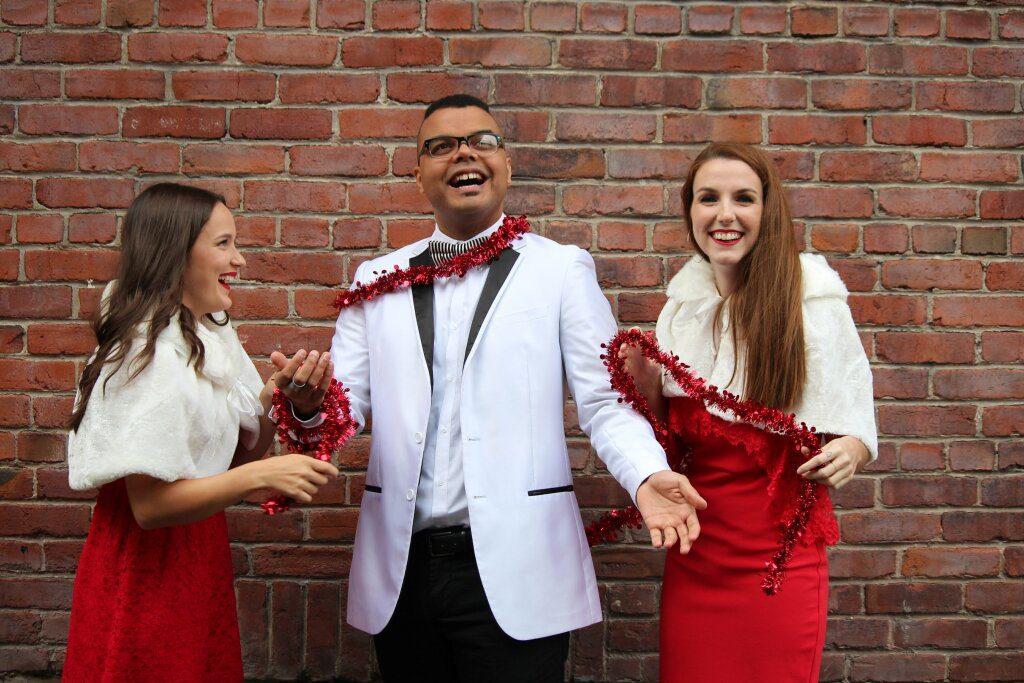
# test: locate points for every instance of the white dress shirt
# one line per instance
(441, 495)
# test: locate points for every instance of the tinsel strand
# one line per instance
(769, 419)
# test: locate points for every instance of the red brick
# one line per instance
(603, 17)
(259, 304)
(70, 48)
(7, 46)
(29, 84)
(944, 633)
(344, 14)
(6, 119)
(865, 21)
(970, 168)
(917, 490)
(403, 232)
(59, 119)
(121, 13)
(910, 598)
(12, 339)
(156, 157)
(988, 62)
(1005, 275)
(379, 123)
(286, 13)
(629, 91)
(60, 338)
(449, 15)
(517, 51)
(545, 89)
(995, 666)
(968, 25)
(983, 240)
(235, 13)
(971, 311)
(918, 457)
(40, 228)
(842, 238)
(534, 162)
(861, 94)
(1011, 25)
(924, 347)
(328, 88)
(612, 200)
(698, 128)
(1002, 204)
(1009, 633)
(712, 55)
(905, 383)
(286, 124)
(378, 51)
(648, 163)
(338, 160)
(982, 526)
(501, 15)
(84, 193)
(986, 97)
(917, 22)
(764, 92)
(833, 202)
(1002, 347)
(181, 13)
(926, 274)
(1002, 491)
(304, 561)
(709, 19)
(35, 301)
(605, 127)
(926, 420)
(116, 84)
(801, 129)
(397, 197)
(223, 86)
(934, 239)
(814, 21)
(856, 633)
(555, 17)
(966, 456)
(289, 50)
(869, 166)
(427, 87)
(15, 413)
(890, 238)
(15, 193)
(257, 231)
(174, 121)
(884, 526)
(229, 159)
(995, 597)
(396, 15)
(762, 20)
(635, 55)
(1003, 420)
(657, 20)
(917, 130)
(817, 58)
(169, 46)
(40, 156)
(357, 233)
(917, 60)
(531, 200)
(24, 12)
(294, 195)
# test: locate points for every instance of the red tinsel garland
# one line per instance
(337, 428)
(400, 278)
(769, 419)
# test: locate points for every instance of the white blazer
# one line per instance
(545, 325)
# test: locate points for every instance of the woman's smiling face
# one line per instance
(212, 262)
(726, 216)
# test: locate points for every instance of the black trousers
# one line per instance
(443, 630)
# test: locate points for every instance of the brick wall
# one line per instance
(897, 126)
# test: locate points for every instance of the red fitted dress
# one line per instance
(717, 626)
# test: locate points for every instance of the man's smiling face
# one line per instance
(466, 188)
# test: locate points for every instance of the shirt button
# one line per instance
(410, 494)
(451, 378)
(444, 430)
(418, 438)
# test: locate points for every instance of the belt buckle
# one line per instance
(446, 543)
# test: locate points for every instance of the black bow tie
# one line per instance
(441, 251)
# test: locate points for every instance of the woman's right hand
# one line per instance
(645, 372)
(294, 475)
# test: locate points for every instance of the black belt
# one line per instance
(450, 541)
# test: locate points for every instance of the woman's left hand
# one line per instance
(837, 462)
(303, 378)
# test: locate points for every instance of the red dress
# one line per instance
(153, 605)
(717, 626)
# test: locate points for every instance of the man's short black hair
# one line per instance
(459, 101)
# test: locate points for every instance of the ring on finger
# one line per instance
(295, 385)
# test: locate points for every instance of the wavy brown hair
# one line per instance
(766, 304)
(159, 229)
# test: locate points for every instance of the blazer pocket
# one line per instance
(370, 488)
(546, 492)
(521, 315)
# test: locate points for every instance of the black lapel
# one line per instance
(423, 302)
(496, 277)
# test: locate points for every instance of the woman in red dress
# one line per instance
(751, 315)
(168, 424)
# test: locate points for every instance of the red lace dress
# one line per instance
(717, 626)
(153, 605)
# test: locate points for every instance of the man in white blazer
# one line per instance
(470, 561)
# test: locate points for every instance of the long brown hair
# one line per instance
(766, 304)
(159, 229)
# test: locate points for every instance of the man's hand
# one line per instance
(304, 378)
(669, 507)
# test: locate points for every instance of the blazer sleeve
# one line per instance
(622, 438)
(351, 355)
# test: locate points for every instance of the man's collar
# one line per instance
(441, 237)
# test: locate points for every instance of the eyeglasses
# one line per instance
(446, 145)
